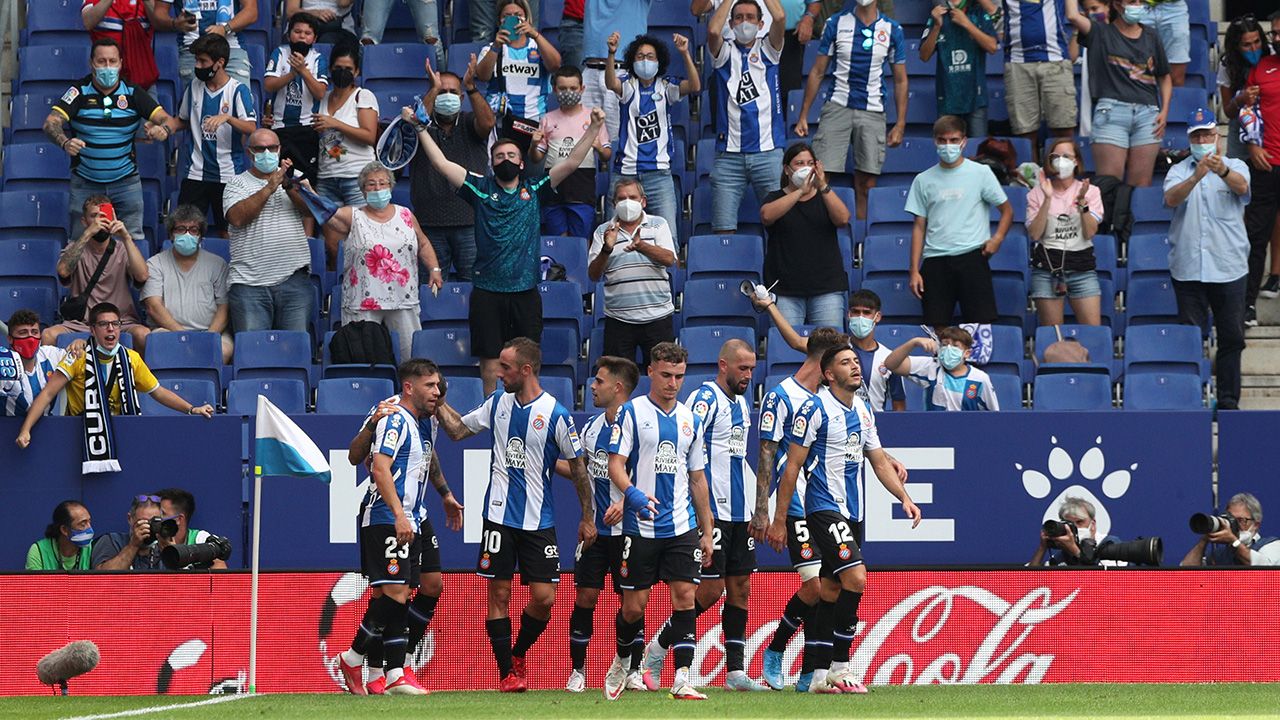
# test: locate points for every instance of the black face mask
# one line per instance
(101, 236)
(342, 77)
(300, 47)
(506, 171)
(205, 74)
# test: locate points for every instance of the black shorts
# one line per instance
(804, 551)
(430, 546)
(504, 548)
(645, 561)
(301, 144)
(733, 551)
(206, 197)
(838, 539)
(958, 278)
(604, 556)
(498, 317)
(386, 562)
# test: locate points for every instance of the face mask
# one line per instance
(107, 77)
(1066, 167)
(861, 326)
(646, 69)
(1246, 536)
(82, 538)
(342, 77)
(105, 352)
(448, 105)
(864, 3)
(1200, 151)
(1134, 14)
(186, 244)
(949, 153)
(205, 74)
(1100, 17)
(506, 171)
(746, 32)
(1083, 534)
(628, 210)
(1252, 56)
(568, 98)
(950, 356)
(266, 161)
(378, 199)
(800, 175)
(26, 347)
(300, 47)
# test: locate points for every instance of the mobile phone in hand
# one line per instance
(509, 24)
(108, 212)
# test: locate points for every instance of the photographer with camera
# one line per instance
(159, 538)
(1074, 540)
(1236, 537)
(180, 506)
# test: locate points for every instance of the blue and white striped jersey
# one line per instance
(725, 424)
(860, 53)
(661, 449)
(750, 117)
(971, 391)
(293, 104)
(521, 82)
(776, 417)
(216, 156)
(645, 140)
(879, 385)
(527, 442)
(428, 429)
(595, 442)
(397, 437)
(18, 389)
(1035, 31)
(837, 436)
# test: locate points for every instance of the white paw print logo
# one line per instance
(1091, 467)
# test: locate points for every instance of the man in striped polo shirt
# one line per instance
(632, 252)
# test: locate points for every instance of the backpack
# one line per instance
(363, 342)
(1117, 219)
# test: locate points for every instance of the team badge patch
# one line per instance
(845, 553)
(524, 193)
(615, 435)
(766, 421)
(393, 568)
(806, 552)
(624, 571)
(493, 196)
(971, 392)
(539, 422)
(70, 94)
(484, 561)
(686, 429)
(122, 102)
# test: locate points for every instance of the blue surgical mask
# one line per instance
(646, 69)
(107, 77)
(1252, 56)
(83, 538)
(950, 356)
(378, 199)
(861, 326)
(186, 244)
(949, 153)
(266, 161)
(448, 104)
(1134, 14)
(1200, 151)
(105, 352)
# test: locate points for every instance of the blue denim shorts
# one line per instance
(1079, 285)
(1172, 21)
(1124, 124)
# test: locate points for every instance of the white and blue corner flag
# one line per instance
(281, 448)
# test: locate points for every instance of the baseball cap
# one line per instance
(1201, 119)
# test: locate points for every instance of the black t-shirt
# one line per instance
(1124, 69)
(435, 203)
(802, 253)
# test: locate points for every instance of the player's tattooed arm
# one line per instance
(451, 421)
(362, 443)
(764, 473)
(582, 484)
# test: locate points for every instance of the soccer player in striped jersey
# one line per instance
(657, 460)
(829, 437)
(530, 431)
(614, 381)
(389, 542)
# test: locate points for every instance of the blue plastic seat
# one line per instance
(273, 354)
(30, 261)
(897, 303)
(1007, 386)
(886, 212)
(562, 389)
(351, 396)
(27, 114)
(1097, 339)
(695, 380)
(51, 68)
(391, 63)
(781, 358)
(1163, 391)
(24, 295)
(390, 100)
(53, 22)
(1107, 306)
(561, 352)
(903, 163)
(571, 252)
(465, 393)
(562, 305)
(886, 255)
(1106, 259)
(448, 307)
(39, 167)
(704, 343)
(1165, 349)
(288, 395)
(748, 212)
(1007, 352)
(1072, 391)
(1148, 253)
(460, 54)
(188, 354)
(449, 347)
(716, 302)
(726, 256)
(891, 335)
(1150, 299)
(1149, 212)
(194, 390)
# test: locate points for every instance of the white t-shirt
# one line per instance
(340, 155)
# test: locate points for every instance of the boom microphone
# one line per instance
(59, 666)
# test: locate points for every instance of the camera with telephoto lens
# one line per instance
(197, 555)
(1143, 551)
(1206, 524)
(166, 528)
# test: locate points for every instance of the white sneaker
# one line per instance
(845, 682)
(577, 682)
(615, 681)
(635, 681)
(655, 656)
(686, 691)
(823, 687)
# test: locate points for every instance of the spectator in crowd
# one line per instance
(646, 147)
(186, 287)
(270, 284)
(220, 17)
(105, 244)
(1100, 12)
(337, 21)
(1131, 89)
(68, 540)
(961, 33)
(750, 130)
(105, 112)
(296, 81)
(951, 202)
(1264, 164)
(1065, 549)
(383, 246)
(855, 112)
(104, 323)
(1172, 22)
(572, 210)
(348, 127)
(517, 66)
(638, 308)
(950, 382)
(1209, 247)
(505, 302)
(486, 14)
(570, 38)
(799, 25)
(1243, 47)
(600, 19)
(180, 506)
(426, 21)
(802, 260)
(1239, 543)
(219, 112)
(1039, 85)
(463, 138)
(26, 365)
(131, 23)
(999, 155)
(1063, 212)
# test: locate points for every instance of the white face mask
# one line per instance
(800, 175)
(746, 32)
(1084, 533)
(1246, 536)
(864, 3)
(628, 210)
(1066, 167)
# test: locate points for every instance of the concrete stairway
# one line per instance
(1260, 385)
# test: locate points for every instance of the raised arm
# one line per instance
(692, 84)
(454, 173)
(611, 80)
(788, 333)
(930, 42)
(715, 38)
(778, 30)
(452, 423)
(1079, 20)
(898, 363)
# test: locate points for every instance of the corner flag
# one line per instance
(281, 448)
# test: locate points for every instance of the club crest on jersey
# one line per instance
(485, 562)
(524, 193)
(806, 552)
(882, 37)
(393, 568)
(515, 454)
(122, 102)
(845, 553)
(766, 421)
(701, 408)
(884, 371)
(971, 392)
(539, 422)
(666, 461)
(686, 429)
(624, 570)
(494, 197)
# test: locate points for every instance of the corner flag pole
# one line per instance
(253, 593)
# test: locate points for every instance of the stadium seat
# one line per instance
(448, 307)
(897, 303)
(395, 66)
(1105, 257)
(891, 335)
(66, 338)
(1149, 212)
(716, 302)
(748, 212)
(20, 295)
(460, 54)
(288, 395)
(781, 358)
(1163, 391)
(450, 348)
(195, 391)
(571, 252)
(27, 114)
(1110, 316)
(886, 212)
(1165, 349)
(561, 351)
(52, 68)
(903, 163)
(1097, 339)
(40, 167)
(1013, 259)
(562, 389)
(730, 257)
(1072, 391)
(328, 369)
(187, 354)
(1011, 301)
(704, 343)
(1008, 389)
(273, 354)
(1148, 253)
(1185, 101)
(31, 262)
(391, 100)
(562, 305)
(694, 381)
(351, 396)
(1007, 352)
(886, 256)
(465, 393)
(53, 22)
(1150, 300)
